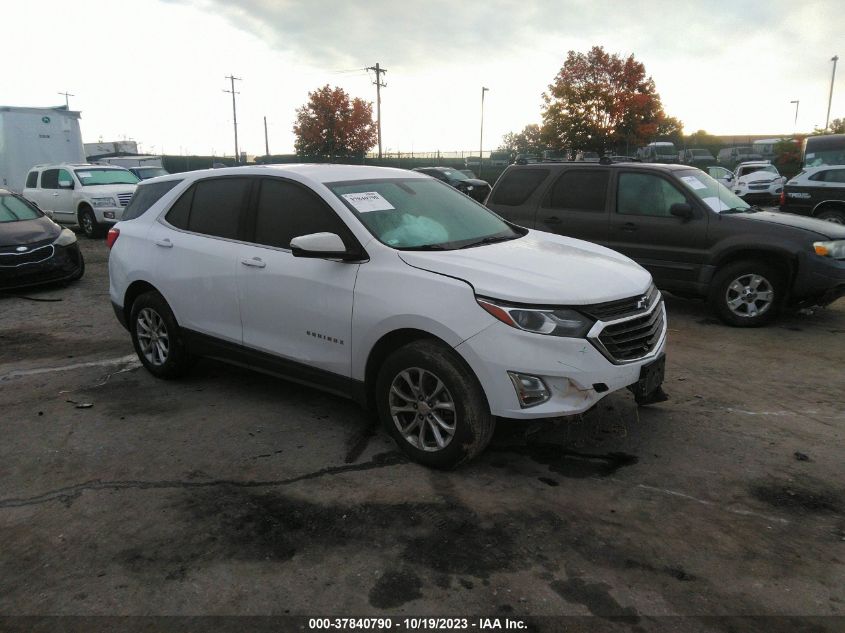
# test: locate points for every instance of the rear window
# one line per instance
(517, 186)
(146, 196)
(584, 190)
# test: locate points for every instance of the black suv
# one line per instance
(473, 187)
(690, 232)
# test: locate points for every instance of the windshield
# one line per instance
(751, 170)
(825, 157)
(150, 172)
(13, 209)
(420, 214)
(452, 174)
(665, 150)
(89, 177)
(711, 192)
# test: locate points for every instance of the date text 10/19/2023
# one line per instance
(416, 624)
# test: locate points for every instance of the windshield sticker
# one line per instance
(810, 155)
(693, 182)
(367, 201)
(83, 174)
(715, 203)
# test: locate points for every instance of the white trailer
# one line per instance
(35, 136)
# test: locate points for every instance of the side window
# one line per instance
(179, 212)
(217, 205)
(65, 179)
(146, 196)
(581, 189)
(836, 175)
(50, 179)
(646, 194)
(819, 176)
(286, 210)
(517, 186)
(32, 180)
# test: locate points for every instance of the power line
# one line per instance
(233, 79)
(379, 85)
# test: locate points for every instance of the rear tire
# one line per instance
(89, 225)
(157, 339)
(433, 405)
(747, 293)
(837, 216)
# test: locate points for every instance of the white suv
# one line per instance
(386, 286)
(92, 196)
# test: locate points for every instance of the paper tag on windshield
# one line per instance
(693, 182)
(367, 201)
(83, 174)
(716, 204)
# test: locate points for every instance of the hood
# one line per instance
(28, 231)
(539, 268)
(98, 191)
(830, 230)
(760, 177)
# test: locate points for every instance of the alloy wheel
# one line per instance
(422, 409)
(152, 336)
(750, 295)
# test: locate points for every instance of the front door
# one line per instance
(672, 249)
(296, 308)
(56, 195)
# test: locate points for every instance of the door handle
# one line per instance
(552, 220)
(255, 262)
(55, 195)
(629, 227)
(165, 243)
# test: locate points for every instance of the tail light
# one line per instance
(112, 236)
(783, 197)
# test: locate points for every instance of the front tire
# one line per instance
(747, 293)
(157, 339)
(432, 405)
(88, 223)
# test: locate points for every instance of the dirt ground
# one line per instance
(234, 493)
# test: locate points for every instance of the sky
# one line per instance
(154, 70)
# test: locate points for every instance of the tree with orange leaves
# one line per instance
(599, 100)
(331, 125)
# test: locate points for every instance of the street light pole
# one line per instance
(834, 59)
(481, 136)
(795, 123)
(232, 78)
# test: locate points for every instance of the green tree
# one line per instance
(528, 141)
(598, 100)
(333, 125)
(837, 126)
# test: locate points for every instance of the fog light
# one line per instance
(108, 214)
(530, 390)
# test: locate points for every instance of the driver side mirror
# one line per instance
(321, 246)
(65, 184)
(682, 210)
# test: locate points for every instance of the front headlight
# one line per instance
(834, 249)
(557, 322)
(66, 238)
(103, 202)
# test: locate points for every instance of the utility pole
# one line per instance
(481, 137)
(66, 94)
(266, 142)
(379, 85)
(834, 59)
(233, 79)
(795, 123)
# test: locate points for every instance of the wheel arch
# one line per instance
(783, 261)
(135, 290)
(824, 205)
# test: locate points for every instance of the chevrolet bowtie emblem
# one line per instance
(642, 303)
(21, 249)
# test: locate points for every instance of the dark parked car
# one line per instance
(34, 249)
(695, 236)
(473, 187)
(818, 192)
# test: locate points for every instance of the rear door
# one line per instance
(576, 205)
(296, 308)
(197, 245)
(672, 249)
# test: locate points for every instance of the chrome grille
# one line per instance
(12, 259)
(621, 308)
(124, 198)
(758, 187)
(634, 338)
